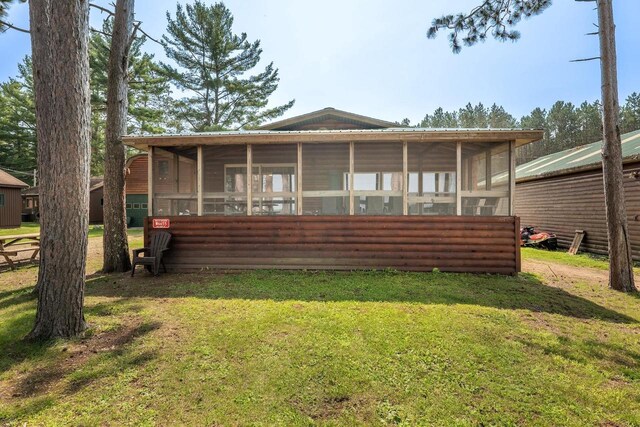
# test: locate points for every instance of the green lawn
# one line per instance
(34, 227)
(560, 256)
(301, 348)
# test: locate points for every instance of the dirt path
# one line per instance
(556, 274)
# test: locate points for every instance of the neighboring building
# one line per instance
(336, 190)
(136, 190)
(10, 201)
(31, 196)
(563, 192)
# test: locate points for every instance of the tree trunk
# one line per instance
(59, 41)
(116, 246)
(620, 262)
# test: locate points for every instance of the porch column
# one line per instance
(459, 178)
(299, 181)
(249, 180)
(512, 178)
(150, 182)
(352, 208)
(405, 178)
(200, 181)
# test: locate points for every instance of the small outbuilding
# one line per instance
(31, 196)
(10, 200)
(136, 190)
(564, 192)
(336, 190)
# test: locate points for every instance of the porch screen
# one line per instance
(377, 179)
(274, 179)
(485, 179)
(175, 182)
(324, 188)
(431, 178)
(224, 180)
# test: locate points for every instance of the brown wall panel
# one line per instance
(10, 213)
(461, 244)
(564, 204)
(136, 179)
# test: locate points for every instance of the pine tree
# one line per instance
(213, 66)
(499, 118)
(630, 114)
(17, 122)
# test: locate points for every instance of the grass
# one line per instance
(34, 227)
(579, 260)
(301, 348)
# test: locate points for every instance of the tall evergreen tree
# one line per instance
(440, 119)
(563, 124)
(630, 114)
(537, 119)
(589, 122)
(213, 67)
(499, 118)
(18, 122)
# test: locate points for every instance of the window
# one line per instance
(128, 205)
(101, 202)
(144, 206)
(1, 200)
(163, 169)
(273, 179)
(485, 179)
(377, 179)
(136, 206)
(324, 185)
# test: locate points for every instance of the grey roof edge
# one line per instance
(578, 169)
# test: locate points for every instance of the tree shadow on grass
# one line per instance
(525, 292)
(75, 367)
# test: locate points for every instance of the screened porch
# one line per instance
(376, 178)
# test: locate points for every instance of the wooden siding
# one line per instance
(10, 213)
(457, 244)
(566, 203)
(136, 179)
(96, 215)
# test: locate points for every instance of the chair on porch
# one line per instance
(153, 254)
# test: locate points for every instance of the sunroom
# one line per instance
(336, 190)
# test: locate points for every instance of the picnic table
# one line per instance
(13, 245)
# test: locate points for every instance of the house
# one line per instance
(30, 201)
(10, 202)
(136, 190)
(336, 190)
(563, 192)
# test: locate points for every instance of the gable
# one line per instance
(329, 119)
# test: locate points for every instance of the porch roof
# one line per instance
(520, 136)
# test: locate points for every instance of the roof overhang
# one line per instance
(519, 136)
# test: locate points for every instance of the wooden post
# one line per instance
(459, 178)
(488, 171)
(249, 180)
(512, 178)
(299, 181)
(150, 182)
(405, 178)
(352, 207)
(200, 182)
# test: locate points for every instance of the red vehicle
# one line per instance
(531, 237)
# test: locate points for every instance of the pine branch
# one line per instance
(11, 26)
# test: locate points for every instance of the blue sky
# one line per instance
(372, 56)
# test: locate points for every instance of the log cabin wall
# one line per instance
(449, 243)
(96, 201)
(566, 203)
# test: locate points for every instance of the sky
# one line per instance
(372, 57)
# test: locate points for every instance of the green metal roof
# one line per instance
(577, 159)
